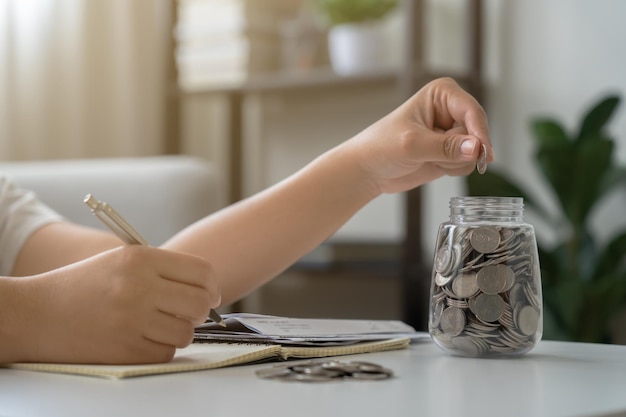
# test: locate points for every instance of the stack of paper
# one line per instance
(299, 331)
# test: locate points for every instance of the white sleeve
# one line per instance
(21, 214)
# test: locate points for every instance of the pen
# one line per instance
(127, 233)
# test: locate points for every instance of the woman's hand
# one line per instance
(439, 131)
(132, 304)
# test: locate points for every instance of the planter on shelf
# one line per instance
(357, 39)
(356, 48)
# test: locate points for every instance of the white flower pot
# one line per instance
(357, 48)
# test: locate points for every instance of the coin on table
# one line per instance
(481, 163)
(493, 279)
(273, 372)
(488, 307)
(370, 376)
(485, 239)
(452, 321)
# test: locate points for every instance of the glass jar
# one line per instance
(485, 294)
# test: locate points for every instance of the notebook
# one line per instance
(210, 355)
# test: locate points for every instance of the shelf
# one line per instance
(311, 79)
(289, 80)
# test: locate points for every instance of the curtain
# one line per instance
(83, 78)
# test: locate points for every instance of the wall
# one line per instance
(543, 58)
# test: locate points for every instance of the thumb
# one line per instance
(453, 147)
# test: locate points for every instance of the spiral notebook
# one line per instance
(211, 355)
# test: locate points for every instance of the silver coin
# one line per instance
(452, 321)
(494, 279)
(468, 346)
(435, 316)
(294, 376)
(370, 376)
(442, 280)
(510, 281)
(457, 258)
(453, 302)
(443, 260)
(365, 366)
(273, 372)
(527, 320)
(485, 239)
(517, 295)
(488, 307)
(465, 285)
(481, 162)
(318, 369)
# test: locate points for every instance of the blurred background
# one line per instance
(261, 87)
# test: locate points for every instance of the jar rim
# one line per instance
(486, 199)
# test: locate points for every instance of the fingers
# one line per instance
(454, 107)
(178, 284)
(185, 301)
(170, 331)
(426, 145)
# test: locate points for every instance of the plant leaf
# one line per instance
(555, 163)
(568, 299)
(614, 176)
(602, 300)
(592, 162)
(597, 117)
(611, 258)
(549, 133)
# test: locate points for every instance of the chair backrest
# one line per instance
(157, 195)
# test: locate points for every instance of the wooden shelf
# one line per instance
(313, 78)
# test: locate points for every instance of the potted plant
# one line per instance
(356, 37)
(584, 280)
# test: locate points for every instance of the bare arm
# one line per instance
(145, 301)
(79, 295)
(251, 242)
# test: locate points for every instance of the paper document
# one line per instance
(285, 330)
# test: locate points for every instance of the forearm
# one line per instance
(17, 318)
(257, 238)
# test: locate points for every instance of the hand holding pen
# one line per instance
(118, 225)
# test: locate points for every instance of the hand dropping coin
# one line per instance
(481, 163)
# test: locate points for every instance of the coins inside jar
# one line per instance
(488, 301)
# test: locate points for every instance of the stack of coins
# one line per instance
(324, 371)
(486, 291)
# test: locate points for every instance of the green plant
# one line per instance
(354, 11)
(584, 281)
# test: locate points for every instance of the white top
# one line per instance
(554, 379)
(21, 213)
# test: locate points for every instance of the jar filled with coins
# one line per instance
(485, 297)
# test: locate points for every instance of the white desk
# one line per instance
(555, 379)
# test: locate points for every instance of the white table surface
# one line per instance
(554, 379)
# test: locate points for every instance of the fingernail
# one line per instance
(468, 146)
